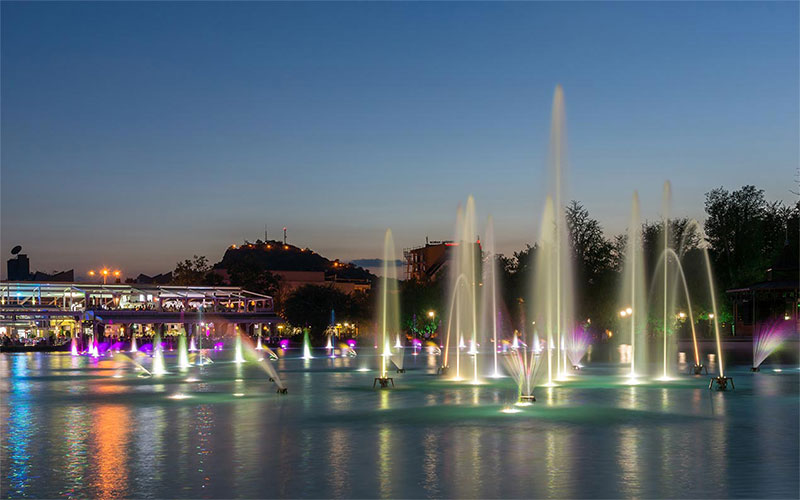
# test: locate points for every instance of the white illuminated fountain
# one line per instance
(388, 315)
(553, 288)
(183, 353)
(464, 279)
(525, 368)
(490, 289)
(159, 368)
(633, 313)
(669, 253)
(134, 347)
(238, 351)
(668, 315)
(73, 345)
(721, 380)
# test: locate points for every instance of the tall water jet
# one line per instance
(389, 313)
(158, 356)
(633, 315)
(558, 306)
(134, 347)
(306, 345)
(73, 347)
(545, 290)
(666, 200)
(490, 293)
(183, 353)
(768, 337)
(259, 347)
(464, 276)
(670, 253)
(238, 352)
(721, 380)
(192, 344)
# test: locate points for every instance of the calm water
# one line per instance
(70, 429)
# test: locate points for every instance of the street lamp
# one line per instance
(105, 273)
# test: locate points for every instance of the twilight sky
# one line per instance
(138, 134)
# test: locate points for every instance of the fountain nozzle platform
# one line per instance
(283, 391)
(530, 398)
(722, 383)
(384, 381)
(442, 370)
(401, 370)
(699, 369)
(755, 369)
(576, 367)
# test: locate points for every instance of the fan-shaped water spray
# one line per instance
(577, 343)
(768, 337)
(524, 367)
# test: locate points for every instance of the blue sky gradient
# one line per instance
(137, 134)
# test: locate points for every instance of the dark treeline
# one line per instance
(743, 233)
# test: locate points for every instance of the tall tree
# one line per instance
(745, 233)
(191, 271)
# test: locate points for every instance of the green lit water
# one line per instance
(70, 429)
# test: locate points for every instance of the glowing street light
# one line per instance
(105, 273)
(431, 314)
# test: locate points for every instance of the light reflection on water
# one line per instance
(69, 429)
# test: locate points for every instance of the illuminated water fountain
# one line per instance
(553, 288)
(524, 366)
(159, 367)
(768, 337)
(183, 353)
(577, 343)
(388, 314)
(633, 315)
(464, 278)
(306, 345)
(490, 294)
(238, 351)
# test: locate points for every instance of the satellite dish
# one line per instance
(17, 249)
